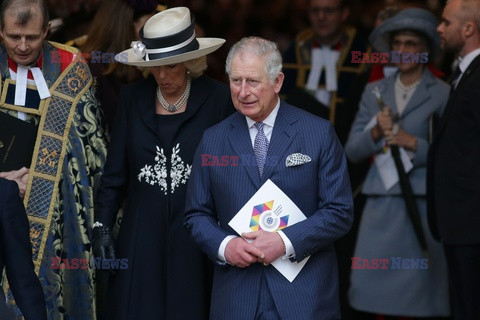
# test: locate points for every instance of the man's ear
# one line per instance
(278, 82)
(469, 29)
(45, 32)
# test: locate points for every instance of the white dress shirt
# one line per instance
(465, 62)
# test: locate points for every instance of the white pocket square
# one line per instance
(296, 159)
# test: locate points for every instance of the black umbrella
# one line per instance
(406, 188)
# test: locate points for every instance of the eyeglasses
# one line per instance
(328, 11)
(409, 44)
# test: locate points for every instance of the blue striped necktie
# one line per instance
(260, 147)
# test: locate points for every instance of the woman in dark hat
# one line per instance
(159, 123)
(115, 25)
(387, 243)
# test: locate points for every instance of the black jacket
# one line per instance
(453, 172)
(147, 171)
(16, 255)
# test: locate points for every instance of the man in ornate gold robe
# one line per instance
(49, 86)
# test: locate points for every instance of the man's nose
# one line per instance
(243, 89)
(321, 15)
(401, 47)
(439, 28)
(23, 45)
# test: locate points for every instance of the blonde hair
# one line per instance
(196, 66)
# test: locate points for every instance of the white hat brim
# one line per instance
(206, 46)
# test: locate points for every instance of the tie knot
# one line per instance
(259, 126)
(456, 74)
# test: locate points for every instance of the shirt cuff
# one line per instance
(289, 251)
(221, 250)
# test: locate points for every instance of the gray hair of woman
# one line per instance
(261, 48)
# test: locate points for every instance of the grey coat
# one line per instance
(429, 98)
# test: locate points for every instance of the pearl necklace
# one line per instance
(180, 102)
(406, 89)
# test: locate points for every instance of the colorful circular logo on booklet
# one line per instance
(269, 221)
(263, 218)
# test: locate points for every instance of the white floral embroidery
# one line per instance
(179, 172)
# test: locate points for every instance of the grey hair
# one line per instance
(24, 16)
(261, 48)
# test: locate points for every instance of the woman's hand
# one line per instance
(393, 134)
(385, 121)
(402, 139)
(384, 124)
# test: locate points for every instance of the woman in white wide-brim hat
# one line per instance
(390, 273)
(159, 123)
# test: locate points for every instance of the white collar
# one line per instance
(323, 58)
(270, 120)
(467, 59)
(21, 79)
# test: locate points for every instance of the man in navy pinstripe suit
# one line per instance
(245, 285)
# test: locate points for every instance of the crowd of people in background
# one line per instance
(279, 21)
(118, 175)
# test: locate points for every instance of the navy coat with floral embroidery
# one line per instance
(167, 276)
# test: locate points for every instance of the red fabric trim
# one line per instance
(436, 72)
(12, 65)
(337, 46)
(376, 73)
(64, 57)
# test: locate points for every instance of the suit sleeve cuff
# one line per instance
(289, 251)
(221, 250)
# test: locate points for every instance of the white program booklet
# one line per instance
(270, 209)
(385, 163)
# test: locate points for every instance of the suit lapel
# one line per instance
(473, 65)
(420, 95)
(239, 138)
(284, 132)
